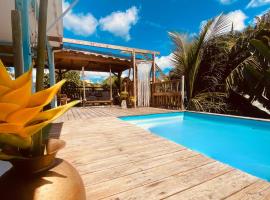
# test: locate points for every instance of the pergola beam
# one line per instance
(108, 46)
(90, 58)
(98, 67)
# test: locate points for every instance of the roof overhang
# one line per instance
(91, 61)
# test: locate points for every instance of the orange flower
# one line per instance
(21, 113)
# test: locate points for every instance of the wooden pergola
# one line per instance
(64, 59)
(71, 59)
(75, 59)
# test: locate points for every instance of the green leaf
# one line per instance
(7, 157)
(15, 141)
(261, 47)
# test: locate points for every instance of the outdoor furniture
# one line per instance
(63, 99)
(97, 102)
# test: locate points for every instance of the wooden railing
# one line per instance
(166, 94)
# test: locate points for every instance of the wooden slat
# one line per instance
(117, 171)
(216, 188)
(174, 184)
(259, 190)
(109, 188)
(108, 46)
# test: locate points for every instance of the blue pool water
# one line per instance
(241, 143)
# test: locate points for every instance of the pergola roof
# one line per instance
(72, 59)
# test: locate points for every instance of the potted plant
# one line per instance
(32, 176)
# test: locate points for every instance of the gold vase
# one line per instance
(42, 178)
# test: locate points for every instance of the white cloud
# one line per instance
(96, 76)
(238, 18)
(227, 1)
(79, 23)
(119, 23)
(165, 62)
(257, 3)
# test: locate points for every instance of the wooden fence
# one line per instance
(167, 94)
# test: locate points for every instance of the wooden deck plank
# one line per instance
(174, 184)
(215, 188)
(138, 152)
(259, 190)
(109, 188)
(132, 167)
(118, 160)
(114, 111)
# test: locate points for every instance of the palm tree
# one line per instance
(187, 58)
(250, 78)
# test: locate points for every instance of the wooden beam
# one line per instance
(84, 95)
(111, 98)
(52, 71)
(119, 81)
(17, 42)
(60, 75)
(154, 68)
(108, 46)
(92, 58)
(134, 78)
(55, 39)
(99, 67)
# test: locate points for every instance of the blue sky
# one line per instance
(145, 23)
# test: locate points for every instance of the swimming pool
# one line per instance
(241, 143)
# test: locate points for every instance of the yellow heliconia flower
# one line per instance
(21, 113)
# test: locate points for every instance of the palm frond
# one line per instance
(262, 48)
(221, 25)
(180, 51)
(209, 102)
(237, 76)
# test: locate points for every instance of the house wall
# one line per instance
(54, 10)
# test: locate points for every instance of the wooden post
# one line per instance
(111, 97)
(60, 75)
(120, 81)
(154, 68)
(183, 93)
(51, 70)
(84, 95)
(134, 78)
(17, 42)
(38, 146)
(42, 24)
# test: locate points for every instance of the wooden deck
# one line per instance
(118, 160)
(107, 111)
